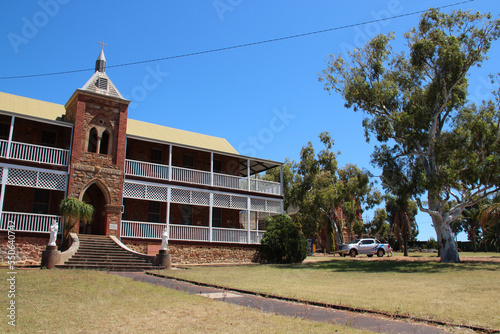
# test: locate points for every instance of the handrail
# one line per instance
(199, 177)
(34, 153)
(29, 222)
(148, 230)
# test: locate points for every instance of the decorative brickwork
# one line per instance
(98, 155)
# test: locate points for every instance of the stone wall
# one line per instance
(28, 249)
(199, 253)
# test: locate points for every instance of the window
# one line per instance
(104, 142)
(156, 156)
(216, 217)
(217, 166)
(92, 147)
(154, 212)
(41, 201)
(187, 215)
(124, 214)
(4, 131)
(48, 138)
(188, 161)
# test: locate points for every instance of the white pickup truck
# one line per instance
(368, 246)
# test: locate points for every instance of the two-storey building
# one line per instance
(140, 177)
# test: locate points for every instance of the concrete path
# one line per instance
(356, 320)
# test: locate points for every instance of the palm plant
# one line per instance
(73, 210)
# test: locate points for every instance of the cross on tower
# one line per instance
(102, 44)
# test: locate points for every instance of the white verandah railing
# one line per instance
(145, 230)
(193, 176)
(39, 223)
(29, 222)
(34, 153)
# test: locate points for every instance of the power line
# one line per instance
(237, 46)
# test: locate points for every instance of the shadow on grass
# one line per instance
(346, 265)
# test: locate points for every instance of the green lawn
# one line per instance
(77, 301)
(459, 293)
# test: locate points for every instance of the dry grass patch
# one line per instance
(77, 301)
(459, 293)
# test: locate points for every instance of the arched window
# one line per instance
(92, 146)
(104, 142)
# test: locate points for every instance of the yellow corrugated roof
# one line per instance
(52, 111)
(176, 136)
(30, 107)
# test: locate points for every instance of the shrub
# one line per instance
(431, 244)
(283, 242)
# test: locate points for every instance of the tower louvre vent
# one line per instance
(102, 83)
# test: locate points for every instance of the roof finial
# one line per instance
(100, 64)
(102, 45)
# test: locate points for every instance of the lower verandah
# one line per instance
(147, 220)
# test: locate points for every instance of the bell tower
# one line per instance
(99, 113)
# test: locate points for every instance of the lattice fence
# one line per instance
(36, 179)
(184, 196)
(194, 197)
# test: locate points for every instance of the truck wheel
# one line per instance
(380, 253)
(353, 253)
(369, 255)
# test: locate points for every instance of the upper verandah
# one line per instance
(53, 113)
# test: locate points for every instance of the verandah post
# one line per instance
(11, 133)
(210, 217)
(5, 175)
(248, 219)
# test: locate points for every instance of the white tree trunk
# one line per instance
(336, 233)
(447, 247)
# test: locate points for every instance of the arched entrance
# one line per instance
(95, 196)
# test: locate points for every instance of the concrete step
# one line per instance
(108, 267)
(102, 253)
(106, 259)
(107, 263)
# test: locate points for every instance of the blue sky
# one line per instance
(264, 99)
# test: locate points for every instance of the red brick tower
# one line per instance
(99, 114)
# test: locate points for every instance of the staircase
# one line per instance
(101, 253)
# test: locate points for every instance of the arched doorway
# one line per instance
(95, 196)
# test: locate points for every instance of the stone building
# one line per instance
(139, 177)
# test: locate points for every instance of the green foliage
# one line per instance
(283, 242)
(326, 194)
(73, 210)
(469, 222)
(431, 244)
(379, 227)
(70, 208)
(401, 214)
(415, 106)
(274, 175)
(489, 218)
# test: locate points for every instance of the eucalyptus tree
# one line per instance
(358, 194)
(315, 192)
(415, 102)
(469, 222)
(401, 213)
(378, 227)
(288, 180)
(401, 181)
(322, 191)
